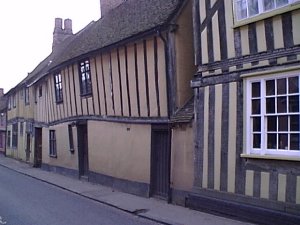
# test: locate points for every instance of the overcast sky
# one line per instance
(27, 30)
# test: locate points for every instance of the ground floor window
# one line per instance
(273, 115)
(52, 143)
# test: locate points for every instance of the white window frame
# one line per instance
(261, 9)
(248, 107)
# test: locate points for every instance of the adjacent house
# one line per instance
(112, 103)
(2, 121)
(247, 131)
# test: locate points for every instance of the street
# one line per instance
(27, 201)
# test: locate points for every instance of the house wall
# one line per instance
(182, 157)
(65, 158)
(129, 81)
(120, 150)
(21, 113)
(225, 55)
(185, 66)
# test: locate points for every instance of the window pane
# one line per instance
(268, 4)
(256, 106)
(256, 89)
(272, 141)
(270, 87)
(293, 85)
(256, 124)
(294, 123)
(281, 86)
(281, 105)
(282, 123)
(270, 107)
(281, 2)
(294, 103)
(253, 7)
(294, 142)
(241, 9)
(283, 141)
(272, 123)
(256, 141)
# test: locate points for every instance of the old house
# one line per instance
(2, 121)
(112, 103)
(247, 143)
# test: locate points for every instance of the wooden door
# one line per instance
(38, 148)
(83, 150)
(160, 163)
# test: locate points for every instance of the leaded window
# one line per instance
(58, 88)
(85, 78)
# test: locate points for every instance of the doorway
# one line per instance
(83, 150)
(160, 162)
(37, 147)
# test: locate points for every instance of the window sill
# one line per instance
(274, 157)
(53, 156)
(265, 15)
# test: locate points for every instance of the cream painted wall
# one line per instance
(182, 158)
(64, 157)
(120, 150)
(185, 68)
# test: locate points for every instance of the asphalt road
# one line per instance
(27, 201)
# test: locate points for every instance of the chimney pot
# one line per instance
(68, 26)
(58, 24)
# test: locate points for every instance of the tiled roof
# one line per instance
(184, 114)
(131, 18)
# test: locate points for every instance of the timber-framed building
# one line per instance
(106, 105)
(247, 88)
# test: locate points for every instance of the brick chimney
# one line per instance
(60, 33)
(1, 92)
(107, 5)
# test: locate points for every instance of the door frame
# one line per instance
(83, 159)
(38, 149)
(160, 128)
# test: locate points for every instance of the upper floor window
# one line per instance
(85, 78)
(14, 101)
(9, 103)
(40, 91)
(26, 96)
(249, 8)
(58, 87)
(273, 115)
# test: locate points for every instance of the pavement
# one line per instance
(149, 208)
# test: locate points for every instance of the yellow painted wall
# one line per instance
(120, 150)
(64, 157)
(182, 158)
(185, 68)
